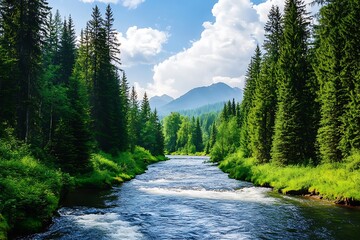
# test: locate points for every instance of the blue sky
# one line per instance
(172, 46)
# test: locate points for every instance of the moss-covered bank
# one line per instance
(30, 192)
(336, 182)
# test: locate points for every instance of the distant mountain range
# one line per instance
(160, 101)
(196, 98)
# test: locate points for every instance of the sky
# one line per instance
(172, 46)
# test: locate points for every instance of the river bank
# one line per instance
(336, 182)
(32, 192)
(190, 198)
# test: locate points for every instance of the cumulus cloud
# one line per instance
(141, 45)
(221, 54)
(131, 4)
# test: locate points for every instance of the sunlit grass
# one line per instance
(108, 169)
(338, 182)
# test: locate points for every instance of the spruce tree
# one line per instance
(133, 120)
(262, 113)
(198, 139)
(67, 50)
(22, 25)
(252, 76)
(111, 39)
(350, 78)
(144, 118)
(289, 143)
(328, 70)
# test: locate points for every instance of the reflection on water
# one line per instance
(188, 198)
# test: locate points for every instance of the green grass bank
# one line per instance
(335, 182)
(31, 190)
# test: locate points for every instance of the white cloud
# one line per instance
(141, 45)
(131, 4)
(222, 53)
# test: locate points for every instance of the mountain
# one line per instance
(202, 96)
(160, 101)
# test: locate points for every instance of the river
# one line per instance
(188, 198)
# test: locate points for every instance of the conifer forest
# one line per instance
(69, 118)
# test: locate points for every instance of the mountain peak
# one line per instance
(159, 101)
(201, 96)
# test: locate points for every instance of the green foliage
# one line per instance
(171, 127)
(333, 182)
(30, 191)
(4, 228)
(252, 76)
(227, 140)
(290, 141)
(108, 169)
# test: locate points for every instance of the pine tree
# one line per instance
(350, 78)
(111, 39)
(133, 120)
(22, 25)
(251, 78)
(105, 92)
(289, 144)
(144, 118)
(124, 111)
(328, 70)
(67, 50)
(262, 113)
(198, 139)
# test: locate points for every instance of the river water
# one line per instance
(187, 198)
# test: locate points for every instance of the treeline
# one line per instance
(62, 100)
(301, 100)
(301, 104)
(69, 99)
(188, 135)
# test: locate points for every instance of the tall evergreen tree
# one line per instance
(350, 78)
(262, 113)
(111, 39)
(198, 139)
(23, 24)
(67, 50)
(328, 70)
(252, 76)
(290, 143)
(144, 117)
(133, 120)
(104, 89)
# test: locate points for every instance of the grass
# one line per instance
(337, 182)
(30, 191)
(109, 170)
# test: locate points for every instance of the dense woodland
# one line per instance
(69, 119)
(300, 115)
(65, 106)
(301, 99)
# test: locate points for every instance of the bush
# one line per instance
(29, 193)
(4, 227)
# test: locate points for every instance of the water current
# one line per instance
(189, 198)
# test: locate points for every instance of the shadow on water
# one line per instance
(93, 198)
